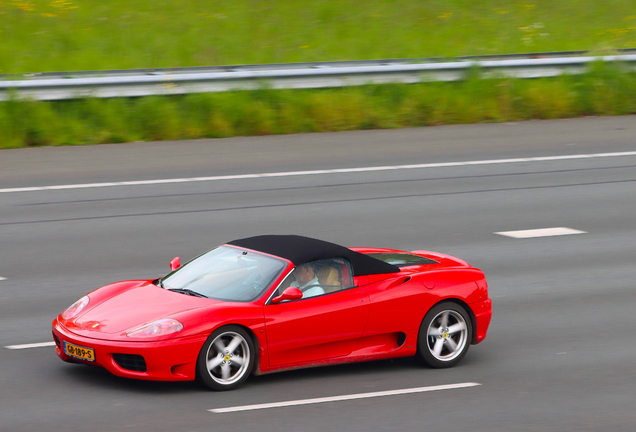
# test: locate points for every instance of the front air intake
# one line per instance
(131, 362)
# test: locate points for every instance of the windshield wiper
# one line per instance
(188, 292)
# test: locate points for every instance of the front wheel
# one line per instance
(226, 359)
(445, 335)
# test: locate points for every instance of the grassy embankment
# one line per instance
(88, 34)
(67, 35)
(603, 91)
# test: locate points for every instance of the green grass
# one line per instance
(604, 90)
(66, 35)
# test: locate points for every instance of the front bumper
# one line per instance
(169, 360)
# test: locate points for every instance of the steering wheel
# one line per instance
(258, 286)
(255, 284)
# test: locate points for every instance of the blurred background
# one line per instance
(68, 37)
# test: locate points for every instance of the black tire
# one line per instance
(443, 345)
(218, 367)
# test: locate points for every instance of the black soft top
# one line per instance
(301, 250)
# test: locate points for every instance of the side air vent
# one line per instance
(57, 341)
(401, 338)
(131, 362)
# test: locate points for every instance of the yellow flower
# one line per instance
(446, 15)
(27, 7)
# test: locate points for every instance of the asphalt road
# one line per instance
(560, 353)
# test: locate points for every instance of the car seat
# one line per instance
(329, 279)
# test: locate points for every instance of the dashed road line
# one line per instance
(319, 172)
(31, 345)
(342, 398)
(542, 232)
(2, 278)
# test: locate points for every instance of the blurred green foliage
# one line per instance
(606, 89)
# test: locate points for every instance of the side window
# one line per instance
(320, 277)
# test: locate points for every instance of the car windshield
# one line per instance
(227, 273)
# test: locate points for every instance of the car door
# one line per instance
(316, 328)
(396, 305)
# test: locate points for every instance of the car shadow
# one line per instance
(99, 377)
(335, 371)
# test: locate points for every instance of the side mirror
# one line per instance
(291, 293)
(175, 264)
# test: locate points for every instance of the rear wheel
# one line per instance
(445, 335)
(226, 359)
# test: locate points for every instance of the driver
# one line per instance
(307, 281)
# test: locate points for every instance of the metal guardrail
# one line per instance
(129, 83)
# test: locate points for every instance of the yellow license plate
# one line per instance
(79, 352)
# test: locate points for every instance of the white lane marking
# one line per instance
(317, 172)
(543, 232)
(33, 345)
(1, 278)
(343, 398)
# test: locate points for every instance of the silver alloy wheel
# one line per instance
(447, 335)
(228, 358)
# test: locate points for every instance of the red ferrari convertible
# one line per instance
(276, 302)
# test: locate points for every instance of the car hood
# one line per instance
(116, 315)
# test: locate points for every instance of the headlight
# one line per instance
(160, 327)
(73, 310)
